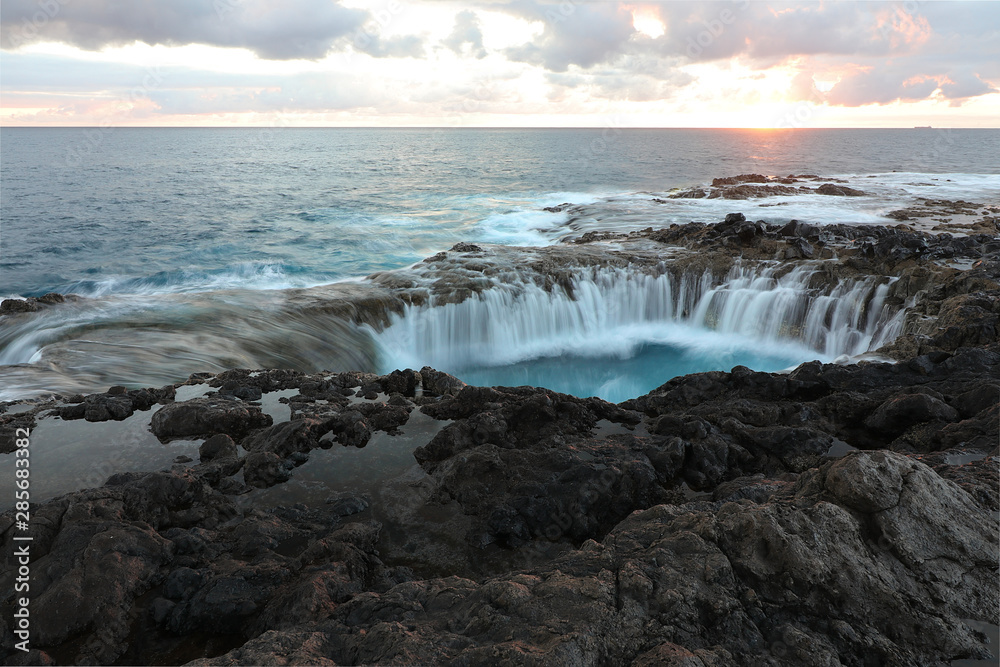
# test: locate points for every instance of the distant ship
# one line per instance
(921, 127)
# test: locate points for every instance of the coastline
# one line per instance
(725, 517)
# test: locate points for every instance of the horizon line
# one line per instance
(477, 127)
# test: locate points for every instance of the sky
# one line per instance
(499, 63)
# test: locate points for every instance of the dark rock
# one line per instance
(694, 193)
(742, 178)
(901, 412)
(733, 218)
(287, 438)
(349, 428)
(557, 209)
(182, 583)
(243, 392)
(346, 504)
(264, 469)
(70, 412)
(469, 247)
(747, 233)
(102, 408)
(798, 248)
(11, 306)
(403, 382)
(217, 447)
(796, 228)
(702, 584)
(839, 191)
(51, 298)
(751, 191)
(722, 518)
(440, 383)
(207, 416)
(10, 429)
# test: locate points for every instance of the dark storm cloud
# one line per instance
(278, 31)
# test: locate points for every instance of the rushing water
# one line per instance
(188, 244)
(621, 331)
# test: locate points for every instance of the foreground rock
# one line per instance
(570, 534)
(849, 561)
(837, 514)
(871, 557)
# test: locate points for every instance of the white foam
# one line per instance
(614, 311)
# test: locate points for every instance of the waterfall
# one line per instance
(610, 311)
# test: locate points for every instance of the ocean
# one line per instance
(190, 247)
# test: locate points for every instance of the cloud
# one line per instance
(880, 86)
(964, 83)
(406, 46)
(575, 34)
(118, 92)
(576, 55)
(467, 33)
(803, 88)
(882, 45)
(277, 31)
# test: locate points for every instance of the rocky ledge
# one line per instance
(834, 515)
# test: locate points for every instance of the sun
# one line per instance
(646, 21)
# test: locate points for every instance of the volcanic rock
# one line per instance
(839, 191)
(208, 416)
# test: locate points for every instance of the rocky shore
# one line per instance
(839, 514)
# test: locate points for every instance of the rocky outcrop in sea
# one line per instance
(838, 514)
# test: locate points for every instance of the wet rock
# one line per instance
(103, 408)
(119, 561)
(440, 383)
(704, 584)
(796, 228)
(242, 392)
(264, 469)
(287, 438)
(742, 178)
(751, 191)
(839, 191)
(721, 518)
(117, 403)
(747, 233)
(557, 209)
(349, 428)
(469, 247)
(799, 248)
(12, 427)
(51, 298)
(346, 504)
(12, 306)
(217, 447)
(901, 412)
(404, 382)
(207, 416)
(695, 193)
(32, 304)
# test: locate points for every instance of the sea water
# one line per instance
(187, 244)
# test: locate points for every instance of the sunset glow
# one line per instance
(423, 63)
